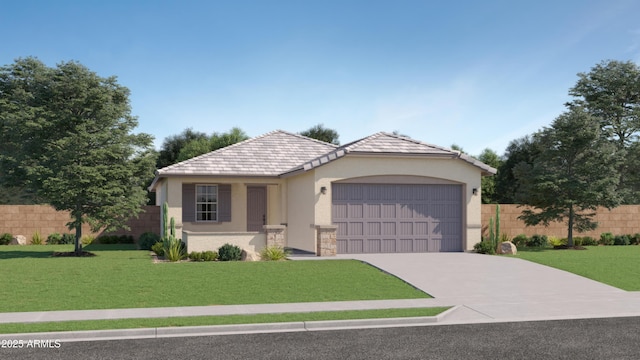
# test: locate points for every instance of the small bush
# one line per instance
(577, 241)
(54, 239)
(484, 247)
(228, 252)
(87, 239)
(147, 240)
(520, 240)
(5, 238)
(589, 241)
(68, 239)
(174, 250)
(209, 256)
(606, 238)
(504, 237)
(537, 241)
(36, 239)
(621, 240)
(273, 253)
(555, 241)
(196, 256)
(635, 239)
(158, 248)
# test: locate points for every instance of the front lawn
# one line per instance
(617, 266)
(121, 277)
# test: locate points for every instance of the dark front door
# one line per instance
(256, 207)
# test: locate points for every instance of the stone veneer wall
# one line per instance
(326, 240)
(275, 235)
(622, 220)
(27, 219)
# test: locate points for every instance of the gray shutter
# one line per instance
(188, 202)
(224, 202)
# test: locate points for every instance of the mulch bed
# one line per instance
(73, 254)
(565, 247)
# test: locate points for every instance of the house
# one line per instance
(381, 194)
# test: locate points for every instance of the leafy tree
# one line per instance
(573, 172)
(172, 145)
(71, 142)
(217, 141)
(611, 92)
(457, 147)
(521, 150)
(488, 183)
(319, 132)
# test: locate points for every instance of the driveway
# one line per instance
(500, 287)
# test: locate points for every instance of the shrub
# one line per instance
(68, 239)
(537, 241)
(589, 241)
(147, 240)
(606, 238)
(36, 239)
(209, 255)
(196, 256)
(158, 248)
(554, 241)
(87, 239)
(621, 240)
(504, 237)
(484, 247)
(273, 253)
(520, 240)
(228, 252)
(577, 241)
(5, 238)
(54, 239)
(635, 239)
(174, 250)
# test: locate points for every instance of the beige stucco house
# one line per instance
(382, 193)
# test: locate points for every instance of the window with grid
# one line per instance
(206, 203)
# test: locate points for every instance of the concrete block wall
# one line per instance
(27, 219)
(622, 220)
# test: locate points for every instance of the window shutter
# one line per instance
(224, 202)
(188, 202)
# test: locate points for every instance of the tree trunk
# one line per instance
(570, 235)
(78, 245)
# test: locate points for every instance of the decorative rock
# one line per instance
(507, 247)
(18, 240)
(249, 256)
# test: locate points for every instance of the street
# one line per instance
(612, 338)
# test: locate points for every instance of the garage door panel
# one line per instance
(391, 218)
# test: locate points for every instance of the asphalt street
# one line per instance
(609, 338)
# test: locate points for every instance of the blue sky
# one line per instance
(475, 73)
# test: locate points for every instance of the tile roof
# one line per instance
(280, 153)
(391, 144)
(270, 154)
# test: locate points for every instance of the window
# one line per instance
(206, 203)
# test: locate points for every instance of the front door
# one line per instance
(256, 207)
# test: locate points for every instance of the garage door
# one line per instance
(397, 218)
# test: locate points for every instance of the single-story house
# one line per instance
(381, 194)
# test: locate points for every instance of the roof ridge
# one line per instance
(420, 142)
(348, 147)
(310, 138)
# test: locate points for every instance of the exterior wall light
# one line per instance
(323, 190)
(475, 191)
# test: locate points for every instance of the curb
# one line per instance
(166, 332)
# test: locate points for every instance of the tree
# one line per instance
(172, 145)
(573, 172)
(488, 183)
(319, 132)
(216, 141)
(72, 143)
(611, 93)
(521, 150)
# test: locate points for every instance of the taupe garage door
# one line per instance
(397, 218)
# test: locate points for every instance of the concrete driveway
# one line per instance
(502, 288)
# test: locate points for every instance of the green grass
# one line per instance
(121, 277)
(617, 266)
(216, 320)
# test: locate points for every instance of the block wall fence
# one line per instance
(27, 219)
(623, 220)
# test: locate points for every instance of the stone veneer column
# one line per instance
(275, 235)
(326, 240)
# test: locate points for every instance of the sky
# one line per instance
(477, 74)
